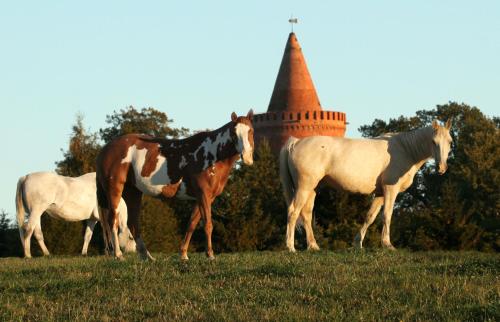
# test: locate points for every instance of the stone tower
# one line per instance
(294, 109)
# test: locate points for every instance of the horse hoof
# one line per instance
(292, 250)
(389, 247)
(314, 247)
(184, 257)
(211, 257)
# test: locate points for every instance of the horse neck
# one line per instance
(222, 143)
(417, 143)
(217, 143)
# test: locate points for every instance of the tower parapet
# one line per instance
(294, 108)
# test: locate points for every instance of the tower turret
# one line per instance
(294, 108)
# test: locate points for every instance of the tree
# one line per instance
(82, 151)
(10, 244)
(251, 213)
(147, 121)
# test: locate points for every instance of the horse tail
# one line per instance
(20, 209)
(285, 174)
(103, 207)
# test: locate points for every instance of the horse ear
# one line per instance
(448, 124)
(234, 117)
(250, 115)
(435, 125)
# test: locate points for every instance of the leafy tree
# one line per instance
(82, 151)
(147, 120)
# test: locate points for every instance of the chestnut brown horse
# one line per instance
(194, 168)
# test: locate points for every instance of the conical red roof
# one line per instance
(294, 89)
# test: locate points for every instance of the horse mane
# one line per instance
(414, 142)
(199, 136)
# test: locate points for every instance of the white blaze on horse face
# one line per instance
(442, 146)
(154, 183)
(244, 147)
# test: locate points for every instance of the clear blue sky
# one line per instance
(200, 60)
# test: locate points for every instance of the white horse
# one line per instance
(384, 166)
(66, 198)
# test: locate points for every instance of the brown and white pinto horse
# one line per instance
(194, 168)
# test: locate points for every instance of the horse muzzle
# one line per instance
(247, 158)
(442, 168)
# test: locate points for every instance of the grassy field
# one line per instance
(368, 285)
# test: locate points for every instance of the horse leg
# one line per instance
(133, 198)
(390, 194)
(113, 195)
(39, 238)
(306, 214)
(370, 218)
(88, 235)
(298, 202)
(193, 222)
(205, 206)
(127, 242)
(29, 228)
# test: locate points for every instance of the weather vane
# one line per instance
(292, 20)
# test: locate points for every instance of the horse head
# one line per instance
(441, 142)
(242, 136)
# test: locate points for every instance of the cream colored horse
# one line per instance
(66, 198)
(384, 166)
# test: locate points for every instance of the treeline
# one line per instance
(459, 210)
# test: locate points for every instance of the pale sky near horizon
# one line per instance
(198, 61)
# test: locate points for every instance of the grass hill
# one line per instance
(323, 286)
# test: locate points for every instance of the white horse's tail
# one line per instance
(20, 211)
(285, 174)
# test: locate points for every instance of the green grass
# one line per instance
(369, 285)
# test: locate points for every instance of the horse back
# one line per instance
(348, 164)
(62, 197)
(137, 160)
